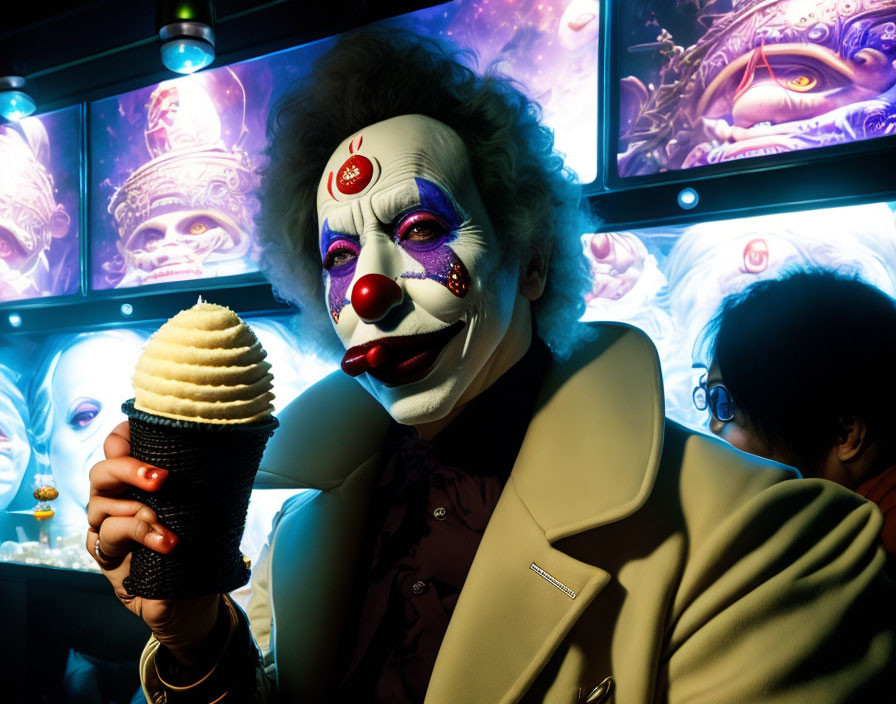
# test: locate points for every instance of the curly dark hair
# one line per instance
(373, 75)
(801, 352)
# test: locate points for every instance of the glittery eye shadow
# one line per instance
(340, 277)
(439, 261)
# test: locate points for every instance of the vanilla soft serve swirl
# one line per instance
(204, 365)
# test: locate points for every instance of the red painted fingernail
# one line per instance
(157, 474)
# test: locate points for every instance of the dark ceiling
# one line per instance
(70, 51)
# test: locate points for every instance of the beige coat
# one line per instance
(623, 546)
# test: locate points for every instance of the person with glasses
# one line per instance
(802, 372)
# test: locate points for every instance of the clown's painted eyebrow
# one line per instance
(329, 236)
(419, 194)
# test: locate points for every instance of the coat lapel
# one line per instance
(313, 560)
(590, 457)
(315, 548)
(493, 649)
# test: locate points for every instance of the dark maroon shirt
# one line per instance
(430, 510)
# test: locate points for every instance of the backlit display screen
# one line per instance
(172, 194)
(703, 82)
(669, 281)
(39, 191)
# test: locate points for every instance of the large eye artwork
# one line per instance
(756, 256)
(802, 83)
(82, 413)
(201, 225)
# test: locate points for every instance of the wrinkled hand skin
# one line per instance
(120, 524)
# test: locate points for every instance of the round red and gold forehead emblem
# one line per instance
(354, 175)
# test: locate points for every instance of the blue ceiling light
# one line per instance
(688, 198)
(187, 33)
(14, 102)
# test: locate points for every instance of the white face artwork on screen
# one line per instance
(15, 448)
(415, 284)
(185, 244)
(187, 212)
(88, 383)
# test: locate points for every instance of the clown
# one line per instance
(186, 213)
(502, 512)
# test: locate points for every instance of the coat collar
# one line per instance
(590, 457)
(593, 447)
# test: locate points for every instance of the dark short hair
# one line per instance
(801, 352)
(373, 75)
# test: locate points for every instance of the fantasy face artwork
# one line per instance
(15, 446)
(415, 284)
(620, 264)
(30, 216)
(763, 78)
(180, 245)
(85, 380)
(626, 279)
(669, 281)
(187, 212)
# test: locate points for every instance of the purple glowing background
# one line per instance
(709, 81)
(548, 46)
(39, 189)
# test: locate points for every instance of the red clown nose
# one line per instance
(373, 296)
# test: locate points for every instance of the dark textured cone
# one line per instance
(203, 501)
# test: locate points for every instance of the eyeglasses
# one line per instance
(716, 397)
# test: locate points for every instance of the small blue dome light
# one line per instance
(688, 198)
(127, 309)
(14, 104)
(185, 55)
(15, 320)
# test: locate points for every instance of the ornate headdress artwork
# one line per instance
(190, 168)
(825, 69)
(30, 217)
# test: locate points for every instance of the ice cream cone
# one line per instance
(204, 499)
(202, 412)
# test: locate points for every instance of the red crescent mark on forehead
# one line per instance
(355, 144)
(330, 185)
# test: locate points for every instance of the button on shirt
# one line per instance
(429, 512)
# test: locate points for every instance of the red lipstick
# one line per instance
(401, 359)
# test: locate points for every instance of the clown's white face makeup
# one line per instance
(415, 284)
